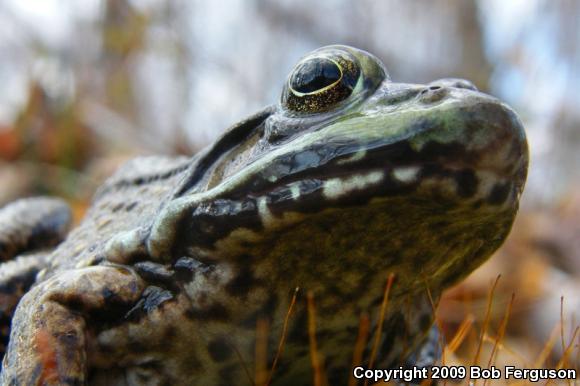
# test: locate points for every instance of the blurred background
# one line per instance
(87, 84)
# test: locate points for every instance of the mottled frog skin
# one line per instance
(349, 178)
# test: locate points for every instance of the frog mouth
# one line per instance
(281, 204)
(450, 171)
(426, 182)
(447, 174)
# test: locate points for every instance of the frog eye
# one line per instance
(318, 83)
(315, 75)
(329, 76)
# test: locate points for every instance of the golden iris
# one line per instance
(319, 82)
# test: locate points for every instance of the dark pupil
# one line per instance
(314, 74)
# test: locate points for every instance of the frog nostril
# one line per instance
(454, 83)
(432, 94)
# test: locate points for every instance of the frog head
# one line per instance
(351, 172)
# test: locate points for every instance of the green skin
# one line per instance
(178, 260)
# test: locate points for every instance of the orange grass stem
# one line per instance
(317, 362)
(461, 333)
(379, 330)
(361, 341)
(283, 337)
(485, 323)
(500, 334)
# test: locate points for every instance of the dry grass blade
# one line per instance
(562, 341)
(577, 352)
(461, 333)
(485, 324)
(500, 335)
(548, 346)
(361, 341)
(568, 350)
(440, 341)
(317, 364)
(501, 331)
(262, 327)
(283, 337)
(577, 361)
(377, 340)
(566, 353)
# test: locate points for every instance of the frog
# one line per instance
(257, 260)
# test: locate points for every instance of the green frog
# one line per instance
(271, 244)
